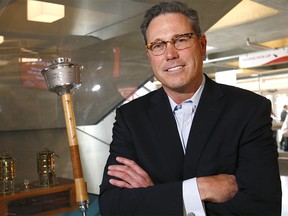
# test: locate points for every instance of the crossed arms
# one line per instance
(217, 188)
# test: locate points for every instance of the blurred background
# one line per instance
(247, 47)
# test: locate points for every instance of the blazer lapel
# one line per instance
(163, 121)
(208, 112)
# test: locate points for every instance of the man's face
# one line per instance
(177, 70)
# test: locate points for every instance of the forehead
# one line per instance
(165, 26)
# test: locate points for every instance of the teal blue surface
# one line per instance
(93, 209)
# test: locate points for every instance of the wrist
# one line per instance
(201, 183)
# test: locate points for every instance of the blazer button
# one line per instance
(191, 214)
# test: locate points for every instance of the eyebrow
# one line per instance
(159, 39)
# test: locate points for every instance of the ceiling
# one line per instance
(90, 27)
(254, 26)
(262, 22)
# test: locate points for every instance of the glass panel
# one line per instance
(111, 51)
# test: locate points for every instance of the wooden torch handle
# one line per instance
(81, 191)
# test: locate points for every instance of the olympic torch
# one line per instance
(63, 78)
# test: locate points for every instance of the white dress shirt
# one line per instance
(184, 114)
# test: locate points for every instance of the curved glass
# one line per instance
(103, 36)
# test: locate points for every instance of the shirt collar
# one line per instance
(195, 98)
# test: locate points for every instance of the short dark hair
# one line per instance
(170, 7)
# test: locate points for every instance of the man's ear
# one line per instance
(203, 43)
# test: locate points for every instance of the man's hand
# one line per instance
(218, 188)
(130, 174)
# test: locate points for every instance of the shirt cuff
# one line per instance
(191, 197)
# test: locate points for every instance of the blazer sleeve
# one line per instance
(161, 199)
(257, 171)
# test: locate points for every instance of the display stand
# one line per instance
(40, 200)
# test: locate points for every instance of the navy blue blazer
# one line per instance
(231, 134)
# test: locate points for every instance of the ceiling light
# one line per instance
(22, 60)
(39, 11)
(1, 39)
(96, 88)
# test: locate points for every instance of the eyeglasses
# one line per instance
(179, 42)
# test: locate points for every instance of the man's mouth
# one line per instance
(175, 68)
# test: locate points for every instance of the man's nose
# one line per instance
(171, 52)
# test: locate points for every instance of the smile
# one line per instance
(175, 68)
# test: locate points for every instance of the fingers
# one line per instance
(129, 174)
(121, 184)
(134, 168)
(130, 163)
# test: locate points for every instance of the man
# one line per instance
(192, 147)
(284, 133)
(283, 113)
(283, 141)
